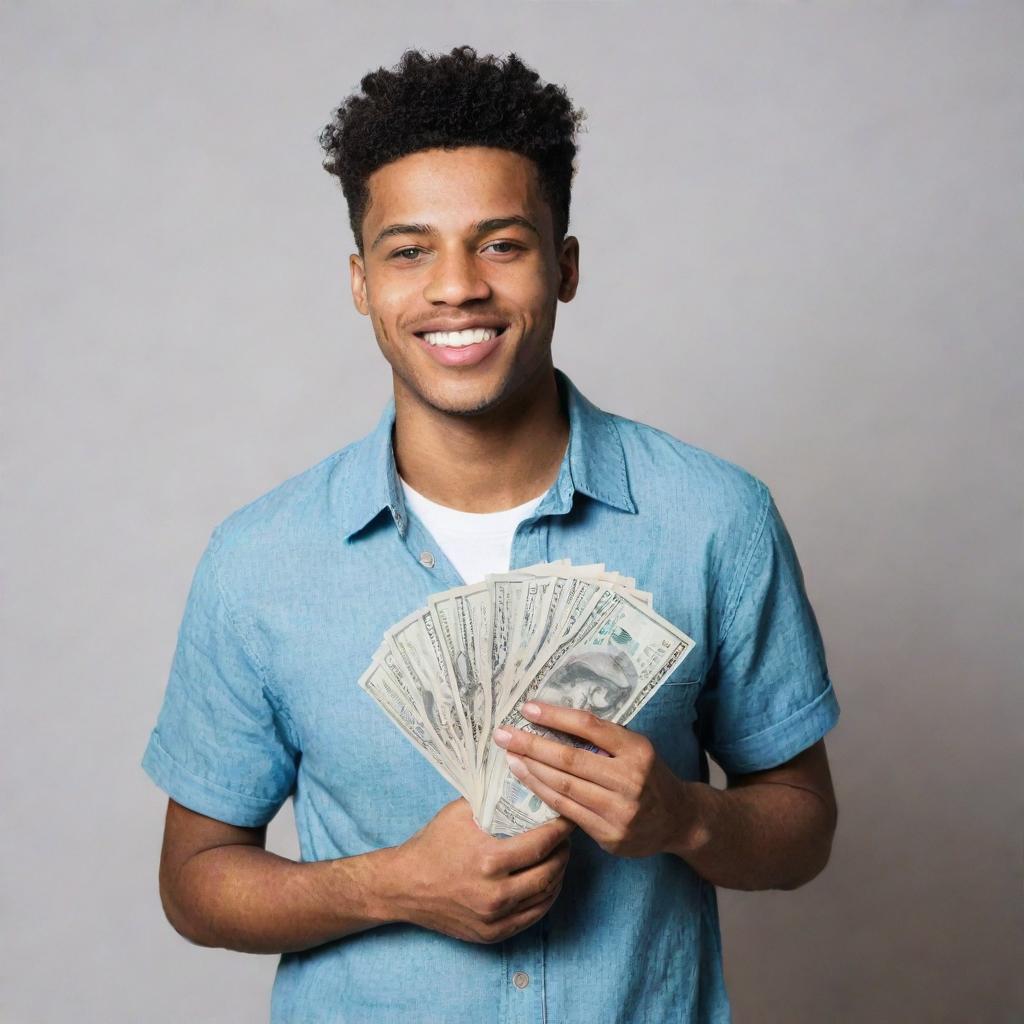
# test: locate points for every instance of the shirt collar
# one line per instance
(594, 464)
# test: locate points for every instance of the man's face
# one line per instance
(458, 239)
(577, 685)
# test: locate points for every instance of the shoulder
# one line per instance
(668, 473)
(290, 514)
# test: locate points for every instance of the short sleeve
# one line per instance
(768, 694)
(221, 745)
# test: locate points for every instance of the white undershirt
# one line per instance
(476, 543)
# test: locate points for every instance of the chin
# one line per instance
(456, 400)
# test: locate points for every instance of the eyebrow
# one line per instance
(481, 227)
(484, 227)
(402, 229)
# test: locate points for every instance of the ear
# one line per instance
(569, 268)
(357, 273)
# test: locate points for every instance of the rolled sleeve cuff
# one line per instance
(201, 795)
(784, 740)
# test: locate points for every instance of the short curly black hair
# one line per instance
(451, 100)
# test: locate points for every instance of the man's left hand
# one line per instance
(629, 802)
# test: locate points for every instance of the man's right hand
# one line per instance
(454, 878)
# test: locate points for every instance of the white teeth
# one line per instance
(459, 339)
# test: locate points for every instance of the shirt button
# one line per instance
(520, 979)
(426, 560)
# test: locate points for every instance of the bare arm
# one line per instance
(768, 830)
(220, 887)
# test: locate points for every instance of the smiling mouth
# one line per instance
(461, 339)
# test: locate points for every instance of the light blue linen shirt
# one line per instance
(289, 602)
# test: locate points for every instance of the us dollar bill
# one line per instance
(416, 643)
(448, 674)
(612, 666)
(378, 682)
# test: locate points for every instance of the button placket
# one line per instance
(523, 960)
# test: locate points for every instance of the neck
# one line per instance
(487, 462)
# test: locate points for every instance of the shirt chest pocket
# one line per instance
(672, 708)
(667, 720)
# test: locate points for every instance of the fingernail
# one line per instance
(531, 710)
(515, 766)
(502, 736)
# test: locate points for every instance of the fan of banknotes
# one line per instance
(449, 674)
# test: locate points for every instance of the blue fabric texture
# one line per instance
(290, 600)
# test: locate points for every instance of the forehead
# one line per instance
(454, 188)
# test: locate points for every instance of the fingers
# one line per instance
(584, 764)
(530, 848)
(547, 895)
(585, 724)
(517, 922)
(533, 883)
(500, 899)
(593, 797)
(593, 823)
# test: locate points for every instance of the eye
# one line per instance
(402, 253)
(510, 248)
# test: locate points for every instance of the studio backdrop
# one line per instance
(801, 248)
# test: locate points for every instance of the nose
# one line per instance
(455, 278)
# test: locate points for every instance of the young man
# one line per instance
(457, 174)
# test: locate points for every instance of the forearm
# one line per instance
(248, 899)
(759, 836)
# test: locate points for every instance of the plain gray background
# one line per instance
(802, 249)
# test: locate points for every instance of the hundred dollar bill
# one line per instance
(611, 666)
(515, 601)
(501, 598)
(459, 613)
(582, 602)
(585, 602)
(417, 645)
(381, 685)
(449, 673)
(557, 615)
